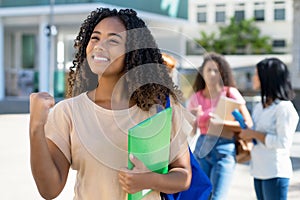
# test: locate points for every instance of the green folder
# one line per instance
(149, 141)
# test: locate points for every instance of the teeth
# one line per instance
(100, 58)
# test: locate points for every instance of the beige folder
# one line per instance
(225, 107)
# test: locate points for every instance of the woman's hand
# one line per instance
(136, 179)
(248, 134)
(40, 104)
(197, 111)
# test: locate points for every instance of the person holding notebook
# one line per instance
(275, 121)
(117, 80)
(215, 147)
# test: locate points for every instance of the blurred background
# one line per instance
(37, 37)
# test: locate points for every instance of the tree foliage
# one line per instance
(239, 37)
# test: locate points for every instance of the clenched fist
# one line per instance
(40, 104)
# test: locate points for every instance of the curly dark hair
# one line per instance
(275, 80)
(224, 69)
(146, 88)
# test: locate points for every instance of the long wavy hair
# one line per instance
(146, 87)
(275, 80)
(223, 67)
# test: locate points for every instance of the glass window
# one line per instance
(279, 14)
(279, 10)
(28, 51)
(239, 15)
(220, 13)
(201, 17)
(220, 16)
(201, 6)
(201, 13)
(279, 43)
(259, 15)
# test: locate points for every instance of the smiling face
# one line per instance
(106, 48)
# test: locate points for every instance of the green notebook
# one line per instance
(149, 141)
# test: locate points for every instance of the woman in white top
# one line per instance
(275, 120)
(117, 80)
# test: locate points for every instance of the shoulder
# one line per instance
(235, 94)
(285, 107)
(197, 96)
(65, 106)
(232, 90)
(257, 108)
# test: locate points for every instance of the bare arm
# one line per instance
(178, 178)
(249, 134)
(246, 115)
(48, 164)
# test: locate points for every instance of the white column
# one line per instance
(295, 67)
(2, 68)
(44, 51)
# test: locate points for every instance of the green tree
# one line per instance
(239, 37)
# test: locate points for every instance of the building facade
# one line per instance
(273, 17)
(37, 37)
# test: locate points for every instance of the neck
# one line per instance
(269, 101)
(110, 94)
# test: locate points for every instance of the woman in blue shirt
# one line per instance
(275, 121)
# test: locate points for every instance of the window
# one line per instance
(201, 14)
(279, 14)
(259, 12)
(279, 10)
(201, 17)
(220, 16)
(279, 43)
(28, 51)
(259, 15)
(239, 13)
(220, 13)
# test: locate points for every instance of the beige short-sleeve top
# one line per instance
(94, 140)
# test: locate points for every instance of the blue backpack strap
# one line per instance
(168, 104)
(200, 187)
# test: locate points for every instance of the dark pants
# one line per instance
(271, 189)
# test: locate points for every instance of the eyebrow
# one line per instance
(110, 34)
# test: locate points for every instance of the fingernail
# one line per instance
(131, 156)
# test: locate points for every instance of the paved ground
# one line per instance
(17, 183)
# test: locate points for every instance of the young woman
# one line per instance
(215, 148)
(117, 80)
(275, 121)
